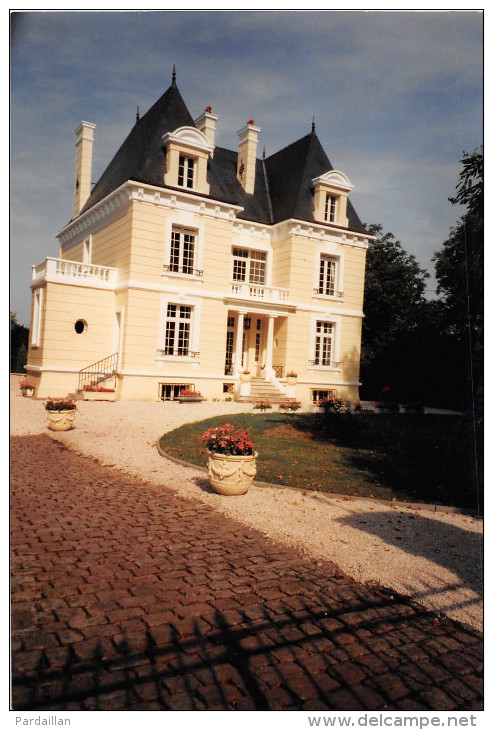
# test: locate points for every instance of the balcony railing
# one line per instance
(331, 293)
(187, 270)
(177, 352)
(321, 363)
(75, 272)
(259, 291)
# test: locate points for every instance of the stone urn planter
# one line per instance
(291, 379)
(190, 398)
(245, 377)
(230, 475)
(27, 392)
(61, 420)
(232, 465)
(99, 395)
(61, 413)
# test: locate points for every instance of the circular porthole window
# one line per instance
(80, 326)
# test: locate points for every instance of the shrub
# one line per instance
(263, 405)
(335, 405)
(290, 405)
(98, 389)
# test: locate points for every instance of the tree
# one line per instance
(459, 268)
(394, 309)
(19, 338)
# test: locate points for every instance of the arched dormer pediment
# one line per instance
(334, 179)
(188, 137)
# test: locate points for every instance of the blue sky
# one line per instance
(396, 96)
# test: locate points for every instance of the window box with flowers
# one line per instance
(27, 388)
(61, 413)
(232, 459)
(95, 392)
(190, 396)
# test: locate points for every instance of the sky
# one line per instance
(396, 97)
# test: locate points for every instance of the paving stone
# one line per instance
(124, 597)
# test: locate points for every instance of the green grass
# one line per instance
(415, 458)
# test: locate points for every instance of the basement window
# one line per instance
(318, 395)
(171, 391)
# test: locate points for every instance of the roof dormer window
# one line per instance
(330, 198)
(330, 208)
(186, 168)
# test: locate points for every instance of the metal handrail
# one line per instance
(98, 371)
(171, 268)
(329, 364)
(333, 293)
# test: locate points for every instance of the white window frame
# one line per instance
(185, 221)
(248, 267)
(331, 210)
(37, 317)
(182, 232)
(336, 341)
(194, 336)
(187, 160)
(332, 252)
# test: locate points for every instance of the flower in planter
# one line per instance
(262, 405)
(291, 374)
(185, 392)
(26, 384)
(225, 440)
(290, 406)
(96, 389)
(245, 372)
(60, 404)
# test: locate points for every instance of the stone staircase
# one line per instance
(261, 389)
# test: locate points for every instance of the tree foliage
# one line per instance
(394, 305)
(19, 338)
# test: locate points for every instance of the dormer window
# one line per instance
(187, 152)
(330, 198)
(186, 167)
(330, 208)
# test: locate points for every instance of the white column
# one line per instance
(269, 350)
(239, 342)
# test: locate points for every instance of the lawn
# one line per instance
(416, 458)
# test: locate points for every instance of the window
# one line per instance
(178, 326)
(249, 266)
(318, 395)
(37, 313)
(171, 391)
(186, 167)
(182, 252)
(228, 363)
(327, 277)
(330, 208)
(323, 343)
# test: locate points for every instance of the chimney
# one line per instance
(83, 164)
(247, 155)
(206, 124)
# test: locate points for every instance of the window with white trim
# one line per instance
(178, 330)
(37, 314)
(324, 343)
(186, 171)
(249, 266)
(331, 208)
(182, 251)
(327, 276)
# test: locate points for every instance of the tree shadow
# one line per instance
(440, 543)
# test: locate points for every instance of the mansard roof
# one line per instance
(283, 181)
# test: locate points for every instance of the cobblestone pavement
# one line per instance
(126, 597)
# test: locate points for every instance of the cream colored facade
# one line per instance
(188, 294)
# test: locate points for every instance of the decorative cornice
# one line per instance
(320, 233)
(189, 137)
(334, 179)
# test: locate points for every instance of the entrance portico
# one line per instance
(253, 343)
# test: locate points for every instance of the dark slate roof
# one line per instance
(283, 187)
